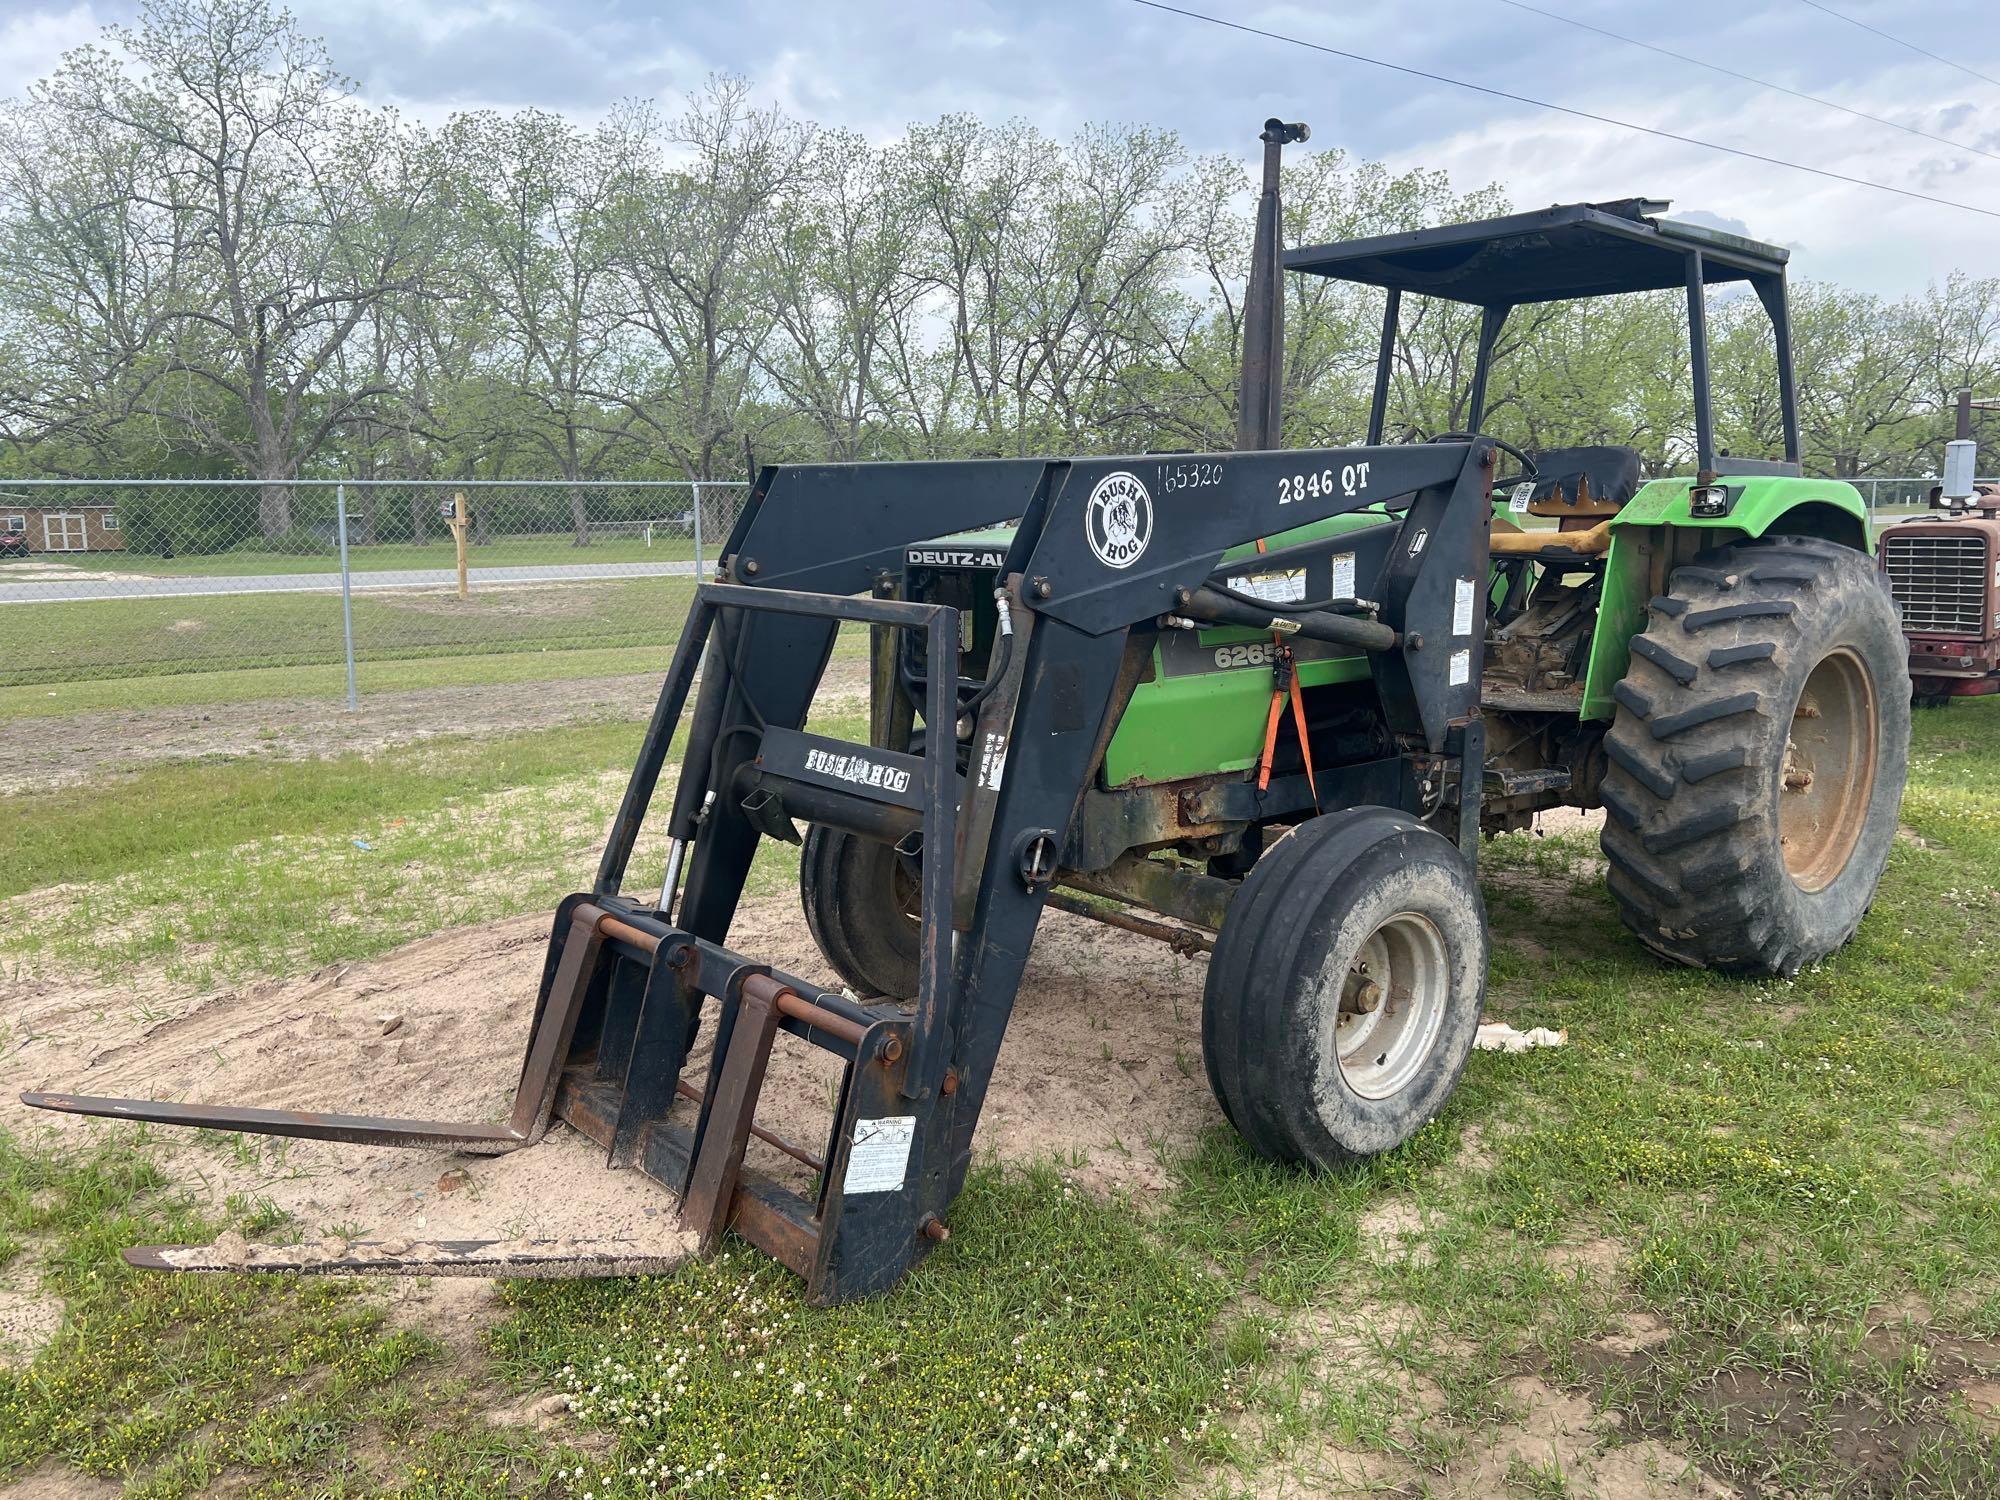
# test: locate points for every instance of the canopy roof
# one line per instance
(1554, 254)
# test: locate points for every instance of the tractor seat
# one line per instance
(1580, 482)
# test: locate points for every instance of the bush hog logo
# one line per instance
(1119, 521)
(861, 772)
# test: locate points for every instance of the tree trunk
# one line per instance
(362, 529)
(579, 513)
(274, 508)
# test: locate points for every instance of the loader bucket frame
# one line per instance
(1104, 550)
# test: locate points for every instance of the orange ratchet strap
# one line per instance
(1284, 685)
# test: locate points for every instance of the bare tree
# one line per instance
(695, 223)
(841, 288)
(541, 202)
(273, 215)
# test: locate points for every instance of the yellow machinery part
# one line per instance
(1530, 543)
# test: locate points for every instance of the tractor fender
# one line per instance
(1657, 531)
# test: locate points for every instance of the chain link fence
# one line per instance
(112, 579)
(135, 578)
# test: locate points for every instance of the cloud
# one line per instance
(33, 41)
(877, 65)
(1837, 231)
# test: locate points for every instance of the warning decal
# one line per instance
(880, 1157)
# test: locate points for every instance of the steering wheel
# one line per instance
(1528, 469)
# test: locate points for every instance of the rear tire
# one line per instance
(1757, 759)
(1345, 988)
(861, 909)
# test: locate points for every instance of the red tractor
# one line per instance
(1944, 571)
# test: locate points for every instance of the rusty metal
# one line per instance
(770, 1138)
(527, 1122)
(363, 1130)
(933, 1229)
(711, 1188)
(548, 1047)
(1197, 899)
(1183, 940)
(820, 1018)
(525, 1259)
(787, 1002)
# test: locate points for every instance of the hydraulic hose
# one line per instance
(1314, 625)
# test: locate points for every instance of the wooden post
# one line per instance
(459, 522)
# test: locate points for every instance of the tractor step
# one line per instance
(529, 1259)
(1505, 783)
(1511, 698)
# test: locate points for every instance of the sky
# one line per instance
(877, 65)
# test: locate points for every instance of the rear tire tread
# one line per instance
(1694, 761)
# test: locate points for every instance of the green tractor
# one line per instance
(1262, 703)
(1709, 657)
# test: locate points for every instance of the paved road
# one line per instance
(74, 586)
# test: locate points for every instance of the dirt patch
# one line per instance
(54, 1480)
(1983, 1397)
(456, 1311)
(1558, 1442)
(38, 753)
(1104, 1087)
(28, 1320)
(1751, 1417)
(1476, 1156)
(1394, 1230)
(1551, 1441)
(1636, 1331)
(1598, 1258)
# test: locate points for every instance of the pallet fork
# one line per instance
(1104, 549)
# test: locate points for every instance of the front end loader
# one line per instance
(1259, 704)
(1103, 549)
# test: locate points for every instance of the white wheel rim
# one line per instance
(1381, 1049)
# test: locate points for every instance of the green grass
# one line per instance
(1055, 1347)
(1779, 1193)
(553, 550)
(264, 684)
(219, 871)
(1051, 1347)
(298, 866)
(143, 637)
(169, 1383)
(196, 812)
(1790, 1183)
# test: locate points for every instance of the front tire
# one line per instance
(1345, 988)
(861, 907)
(1757, 759)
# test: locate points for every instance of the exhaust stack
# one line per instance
(1259, 413)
